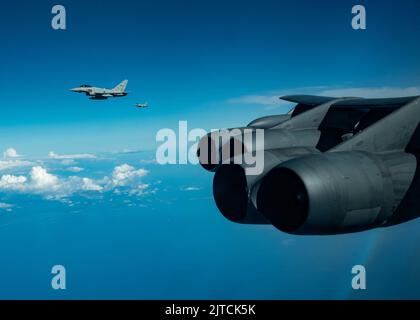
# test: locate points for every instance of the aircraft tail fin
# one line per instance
(121, 87)
(392, 133)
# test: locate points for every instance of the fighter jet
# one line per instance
(142, 105)
(96, 93)
(331, 166)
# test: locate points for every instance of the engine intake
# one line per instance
(218, 148)
(234, 191)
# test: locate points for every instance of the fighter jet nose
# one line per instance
(74, 89)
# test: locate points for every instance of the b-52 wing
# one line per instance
(337, 165)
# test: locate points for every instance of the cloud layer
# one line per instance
(11, 153)
(10, 164)
(124, 179)
(271, 100)
(54, 155)
(125, 175)
(40, 181)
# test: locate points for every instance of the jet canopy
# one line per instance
(85, 86)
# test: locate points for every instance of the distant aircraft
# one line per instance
(96, 93)
(142, 105)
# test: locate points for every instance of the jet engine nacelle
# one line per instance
(221, 146)
(232, 187)
(335, 192)
(211, 158)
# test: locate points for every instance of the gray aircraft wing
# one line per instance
(342, 165)
(351, 116)
(307, 99)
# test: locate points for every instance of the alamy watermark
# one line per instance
(58, 281)
(358, 282)
(59, 19)
(359, 19)
(238, 146)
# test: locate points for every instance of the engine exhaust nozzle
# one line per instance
(282, 198)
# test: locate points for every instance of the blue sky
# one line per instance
(187, 58)
(124, 226)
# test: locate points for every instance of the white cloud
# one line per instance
(11, 153)
(10, 160)
(192, 189)
(54, 155)
(40, 181)
(142, 190)
(6, 206)
(125, 179)
(129, 151)
(271, 100)
(10, 164)
(89, 185)
(43, 180)
(11, 182)
(68, 162)
(76, 184)
(372, 92)
(75, 169)
(125, 175)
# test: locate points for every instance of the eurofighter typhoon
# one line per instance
(96, 93)
(331, 166)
